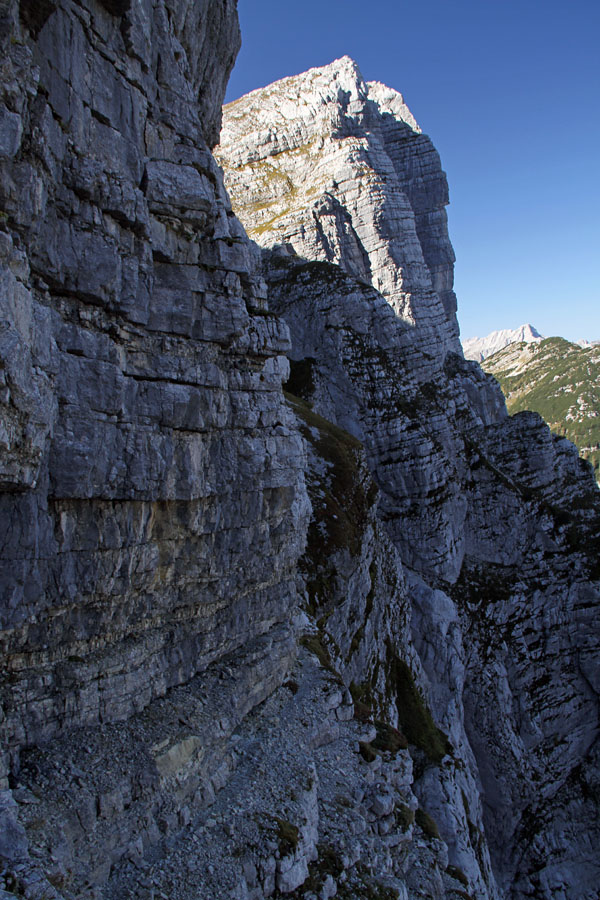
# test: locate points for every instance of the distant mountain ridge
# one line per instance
(559, 380)
(480, 348)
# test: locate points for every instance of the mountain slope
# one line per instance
(480, 348)
(254, 643)
(560, 381)
(481, 507)
(342, 172)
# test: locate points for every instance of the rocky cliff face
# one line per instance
(340, 170)
(147, 452)
(342, 640)
(482, 507)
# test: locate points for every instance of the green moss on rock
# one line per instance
(288, 836)
(342, 498)
(388, 738)
(404, 816)
(427, 824)
(314, 644)
(414, 717)
(367, 751)
(458, 874)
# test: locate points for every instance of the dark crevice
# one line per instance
(116, 7)
(35, 13)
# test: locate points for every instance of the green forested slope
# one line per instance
(560, 381)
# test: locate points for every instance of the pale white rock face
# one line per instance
(338, 169)
(480, 348)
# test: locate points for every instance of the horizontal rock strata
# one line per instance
(340, 640)
(147, 450)
(339, 169)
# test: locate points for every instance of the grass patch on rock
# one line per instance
(404, 816)
(414, 717)
(427, 824)
(288, 836)
(367, 751)
(389, 739)
(362, 884)
(363, 704)
(342, 495)
(314, 644)
(328, 862)
(458, 874)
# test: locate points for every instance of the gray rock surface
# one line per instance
(145, 449)
(348, 359)
(339, 169)
(496, 517)
(339, 642)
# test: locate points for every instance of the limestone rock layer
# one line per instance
(339, 169)
(147, 453)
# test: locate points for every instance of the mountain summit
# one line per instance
(480, 348)
(338, 169)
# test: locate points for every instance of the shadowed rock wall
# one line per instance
(145, 451)
(160, 680)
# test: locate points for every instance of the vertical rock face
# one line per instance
(397, 698)
(339, 171)
(145, 450)
(348, 357)
(525, 599)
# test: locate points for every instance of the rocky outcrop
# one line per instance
(348, 359)
(480, 348)
(339, 170)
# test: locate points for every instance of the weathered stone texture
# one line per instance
(352, 347)
(145, 451)
(205, 694)
(340, 170)
(507, 515)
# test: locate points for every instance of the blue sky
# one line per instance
(510, 94)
